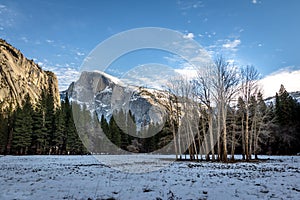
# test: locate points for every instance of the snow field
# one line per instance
(84, 177)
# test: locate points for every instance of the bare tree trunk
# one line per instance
(205, 141)
(247, 135)
(250, 144)
(243, 139)
(218, 135)
(206, 148)
(199, 144)
(193, 142)
(179, 144)
(224, 134)
(249, 88)
(233, 137)
(210, 128)
(233, 145)
(174, 139)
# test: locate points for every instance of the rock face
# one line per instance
(106, 94)
(20, 76)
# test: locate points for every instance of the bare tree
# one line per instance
(225, 84)
(249, 87)
(203, 91)
(173, 111)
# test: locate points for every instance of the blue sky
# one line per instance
(59, 34)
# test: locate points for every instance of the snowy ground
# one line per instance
(84, 177)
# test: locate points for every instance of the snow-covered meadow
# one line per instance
(84, 177)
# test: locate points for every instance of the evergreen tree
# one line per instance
(39, 132)
(105, 127)
(23, 128)
(59, 133)
(50, 121)
(286, 137)
(115, 132)
(3, 132)
(72, 137)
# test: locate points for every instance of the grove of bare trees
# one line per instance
(221, 110)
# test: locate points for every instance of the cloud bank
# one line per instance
(289, 77)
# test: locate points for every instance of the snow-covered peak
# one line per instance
(110, 77)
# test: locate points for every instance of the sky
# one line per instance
(59, 35)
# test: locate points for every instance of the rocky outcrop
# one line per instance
(106, 94)
(20, 76)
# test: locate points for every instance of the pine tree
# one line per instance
(50, 121)
(286, 118)
(3, 132)
(38, 130)
(23, 128)
(105, 127)
(115, 132)
(72, 136)
(59, 133)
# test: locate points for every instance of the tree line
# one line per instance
(222, 112)
(112, 134)
(39, 129)
(217, 115)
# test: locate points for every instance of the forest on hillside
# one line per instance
(213, 125)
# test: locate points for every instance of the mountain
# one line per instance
(20, 76)
(105, 94)
(294, 95)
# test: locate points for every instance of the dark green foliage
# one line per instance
(71, 142)
(286, 137)
(39, 131)
(122, 132)
(43, 129)
(23, 128)
(114, 132)
(3, 132)
(105, 127)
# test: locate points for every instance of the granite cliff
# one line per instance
(106, 94)
(20, 76)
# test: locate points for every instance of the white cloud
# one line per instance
(189, 36)
(80, 54)
(231, 61)
(188, 72)
(254, 1)
(289, 77)
(41, 64)
(66, 73)
(49, 41)
(8, 16)
(191, 4)
(24, 39)
(151, 75)
(232, 45)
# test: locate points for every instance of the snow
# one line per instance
(107, 89)
(84, 177)
(110, 77)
